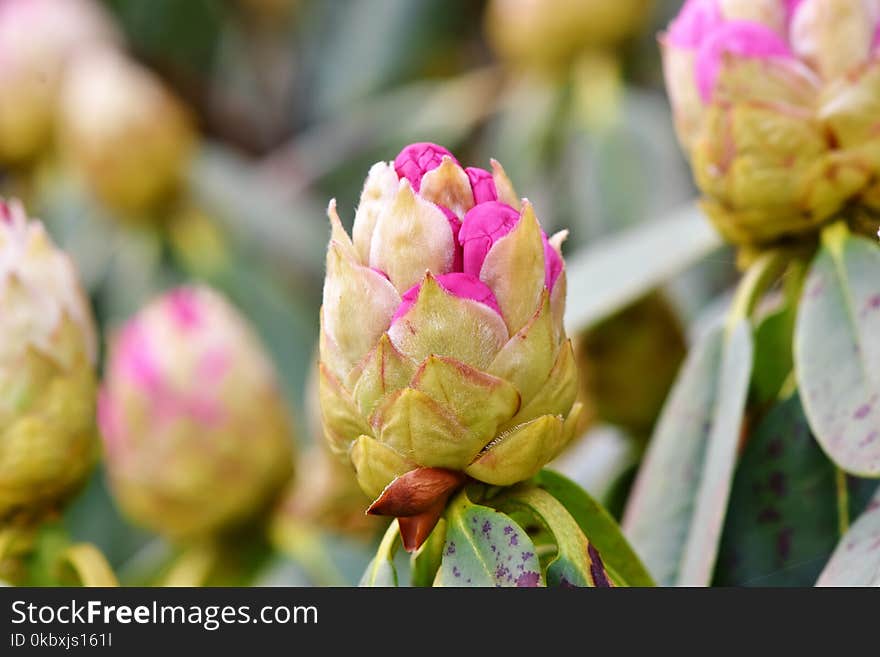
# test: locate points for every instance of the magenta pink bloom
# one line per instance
(487, 223)
(455, 226)
(482, 184)
(463, 286)
(484, 225)
(713, 31)
(415, 160)
(739, 38)
(552, 263)
(184, 307)
(697, 19)
(791, 6)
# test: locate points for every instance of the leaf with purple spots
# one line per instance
(577, 562)
(486, 548)
(782, 520)
(675, 513)
(598, 526)
(837, 350)
(856, 560)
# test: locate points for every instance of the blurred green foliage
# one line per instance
(293, 105)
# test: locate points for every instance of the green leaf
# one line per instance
(185, 34)
(376, 43)
(782, 518)
(773, 339)
(856, 560)
(598, 526)
(381, 570)
(577, 562)
(486, 548)
(837, 351)
(292, 232)
(614, 272)
(339, 148)
(676, 512)
(426, 560)
(44, 561)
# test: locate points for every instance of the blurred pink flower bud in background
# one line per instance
(196, 434)
(38, 41)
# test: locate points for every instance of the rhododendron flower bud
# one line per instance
(432, 369)
(196, 434)
(775, 104)
(127, 136)
(549, 33)
(48, 438)
(38, 40)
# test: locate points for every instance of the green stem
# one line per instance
(842, 501)
(426, 560)
(90, 565)
(760, 276)
(384, 554)
(834, 236)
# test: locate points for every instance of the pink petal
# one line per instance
(108, 420)
(214, 365)
(482, 184)
(455, 225)
(135, 358)
(463, 286)
(415, 160)
(483, 225)
(552, 263)
(184, 309)
(5, 212)
(487, 223)
(791, 6)
(740, 39)
(694, 23)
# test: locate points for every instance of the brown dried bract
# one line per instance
(417, 500)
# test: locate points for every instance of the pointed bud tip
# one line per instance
(482, 185)
(416, 492)
(415, 160)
